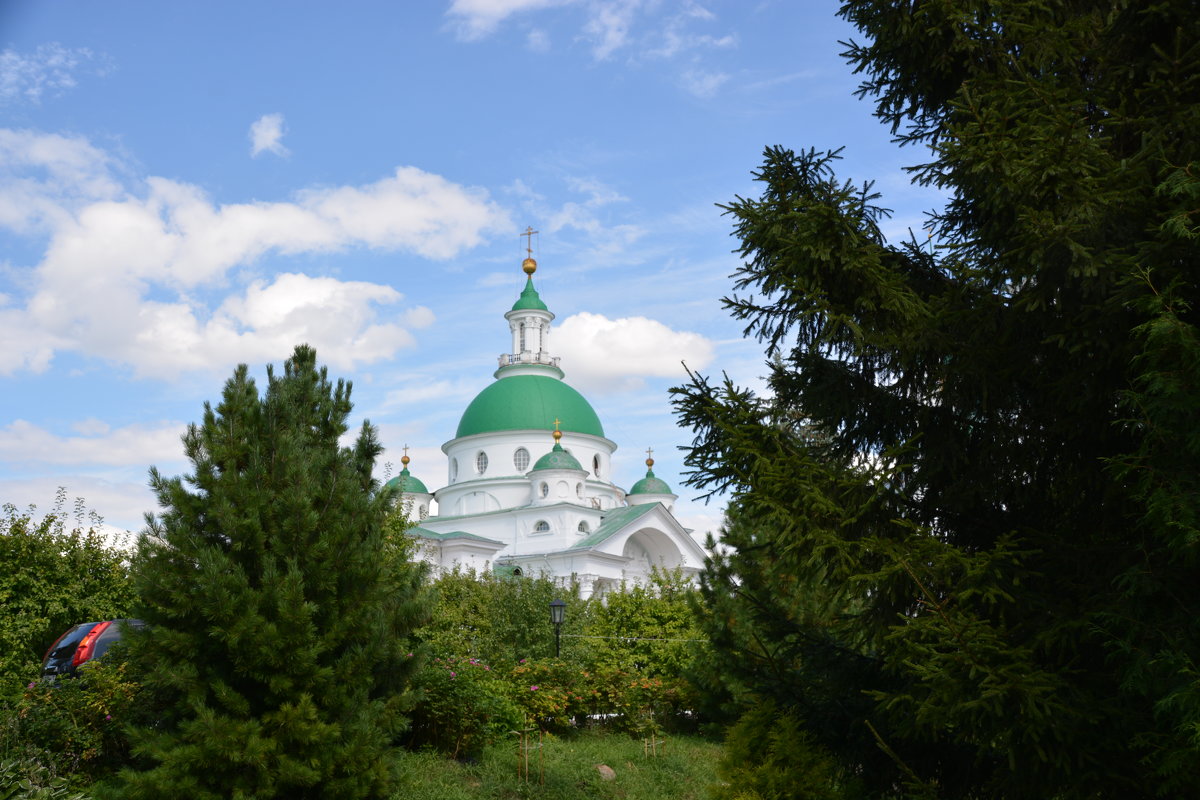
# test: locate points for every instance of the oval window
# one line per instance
(545, 489)
(596, 465)
(521, 459)
(481, 462)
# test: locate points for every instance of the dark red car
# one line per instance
(82, 643)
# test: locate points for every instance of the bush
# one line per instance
(23, 779)
(50, 579)
(769, 756)
(74, 727)
(464, 705)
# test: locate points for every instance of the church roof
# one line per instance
(529, 298)
(557, 458)
(529, 402)
(613, 521)
(651, 485)
(425, 533)
(406, 483)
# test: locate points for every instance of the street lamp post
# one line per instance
(558, 610)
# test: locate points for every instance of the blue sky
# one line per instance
(185, 186)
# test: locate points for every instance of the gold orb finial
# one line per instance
(557, 432)
(529, 266)
(649, 457)
(404, 459)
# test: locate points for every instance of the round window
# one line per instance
(521, 459)
(481, 462)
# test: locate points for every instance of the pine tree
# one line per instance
(979, 579)
(278, 603)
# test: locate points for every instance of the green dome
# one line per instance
(651, 485)
(557, 458)
(405, 483)
(529, 298)
(524, 402)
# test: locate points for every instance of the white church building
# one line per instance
(529, 489)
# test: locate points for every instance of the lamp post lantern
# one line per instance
(558, 610)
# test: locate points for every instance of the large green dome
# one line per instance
(523, 402)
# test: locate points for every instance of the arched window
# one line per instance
(521, 459)
(481, 462)
(583, 527)
(596, 465)
(579, 490)
(424, 511)
(541, 527)
(453, 469)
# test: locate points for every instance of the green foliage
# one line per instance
(465, 705)
(496, 618)
(963, 540)
(30, 780)
(649, 629)
(50, 579)
(75, 727)
(278, 601)
(769, 756)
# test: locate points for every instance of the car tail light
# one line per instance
(87, 645)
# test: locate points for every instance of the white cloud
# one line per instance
(602, 354)
(48, 70)
(701, 83)
(124, 269)
(125, 501)
(266, 135)
(23, 443)
(537, 40)
(608, 26)
(476, 19)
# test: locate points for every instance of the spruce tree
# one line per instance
(964, 530)
(278, 603)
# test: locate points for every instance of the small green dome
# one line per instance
(529, 298)
(557, 458)
(405, 483)
(529, 402)
(651, 485)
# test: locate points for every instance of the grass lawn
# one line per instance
(683, 770)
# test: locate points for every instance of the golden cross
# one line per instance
(529, 233)
(649, 452)
(405, 449)
(557, 422)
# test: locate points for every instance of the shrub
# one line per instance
(464, 705)
(23, 779)
(769, 756)
(74, 727)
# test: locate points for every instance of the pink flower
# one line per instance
(452, 674)
(522, 661)
(409, 655)
(31, 685)
(108, 716)
(485, 666)
(533, 688)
